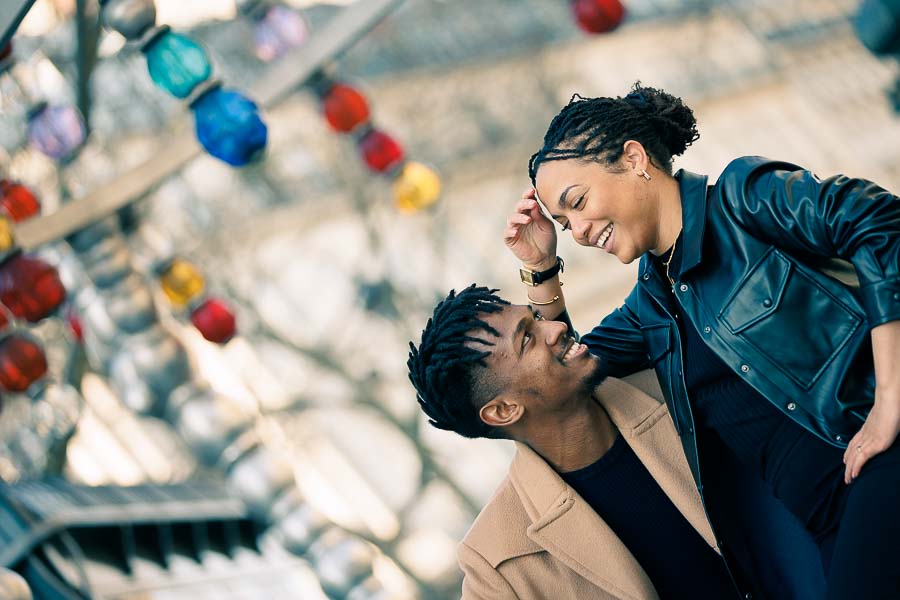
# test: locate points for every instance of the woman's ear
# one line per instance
(502, 411)
(635, 156)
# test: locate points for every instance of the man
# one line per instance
(599, 501)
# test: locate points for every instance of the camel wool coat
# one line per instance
(536, 538)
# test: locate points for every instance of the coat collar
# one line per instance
(692, 188)
(566, 526)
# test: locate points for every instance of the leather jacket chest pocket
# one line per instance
(789, 318)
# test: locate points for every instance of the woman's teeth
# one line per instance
(574, 349)
(604, 236)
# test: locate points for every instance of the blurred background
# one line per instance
(223, 223)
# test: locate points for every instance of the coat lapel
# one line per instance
(647, 426)
(569, 529)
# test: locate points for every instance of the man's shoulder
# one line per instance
(499, 532)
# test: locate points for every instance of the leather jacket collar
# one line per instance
(692, 188)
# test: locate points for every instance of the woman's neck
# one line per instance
(669, 223)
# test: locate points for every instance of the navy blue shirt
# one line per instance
(675, 557)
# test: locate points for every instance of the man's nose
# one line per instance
(554, 331)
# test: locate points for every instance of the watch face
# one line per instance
(527, 276)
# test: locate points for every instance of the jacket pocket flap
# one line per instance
(658, 339)
(759, 294)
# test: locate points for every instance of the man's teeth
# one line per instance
(604, 237)
(572, 351)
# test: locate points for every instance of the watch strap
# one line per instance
(535, 278)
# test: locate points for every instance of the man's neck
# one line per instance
(574, 440)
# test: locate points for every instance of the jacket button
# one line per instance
(896, 295)
(745, 368)
(767, 302)
(839, 438)
(748, 596)
(682, 287)
(792, 406)
(707, 329)
(646, 277)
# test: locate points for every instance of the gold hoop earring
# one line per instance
(645, 174)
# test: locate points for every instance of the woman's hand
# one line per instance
(883, 423)
(876, 435)
(530, 235)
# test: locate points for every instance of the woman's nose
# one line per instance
(581, 231)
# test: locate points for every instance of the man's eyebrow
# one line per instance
(520, 330)
(562, 198)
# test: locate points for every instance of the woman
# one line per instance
(740, 277)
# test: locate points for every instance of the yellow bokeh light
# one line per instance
(417, 187)
(181, 282)
(7, 240)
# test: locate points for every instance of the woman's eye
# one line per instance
(578, 202)
(566, 227)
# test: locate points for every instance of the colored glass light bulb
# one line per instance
(22, 362)
(181, 282)
(7, 240)
(214, 320)
(345, 108)
(279, 31)
(417, 187)
(380, 151)
(131, 18)
(17, 201)
(598, 16)
(30, 288)
(229, 126)
(177, 64)
(56, 131)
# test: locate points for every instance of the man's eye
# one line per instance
(538, 316)
(525, 339)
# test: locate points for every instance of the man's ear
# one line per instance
(502, 411)
(635, 155)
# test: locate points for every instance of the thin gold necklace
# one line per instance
(669, 262)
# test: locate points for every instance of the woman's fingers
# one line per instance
(518, 219)
(872, 439)
(527, 206)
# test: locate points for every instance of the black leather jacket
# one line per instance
(758, 281)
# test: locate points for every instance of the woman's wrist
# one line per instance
(544, 265)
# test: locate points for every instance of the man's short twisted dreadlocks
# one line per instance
(442, 368)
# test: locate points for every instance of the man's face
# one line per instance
(537, 362)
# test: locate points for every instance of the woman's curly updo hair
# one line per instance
(596, 129)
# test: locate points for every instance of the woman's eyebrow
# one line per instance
(562, 198)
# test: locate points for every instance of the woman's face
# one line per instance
(617, 212)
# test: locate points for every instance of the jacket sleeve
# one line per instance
(618, 340)
(481, 581)
(837, 217)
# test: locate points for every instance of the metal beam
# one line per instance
(87, 21)
(278, 83)
(11, 14)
